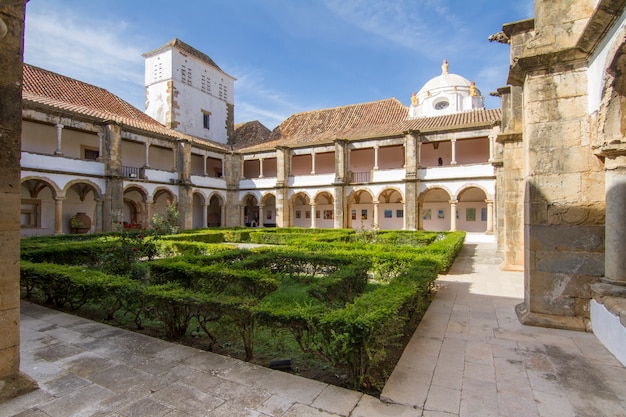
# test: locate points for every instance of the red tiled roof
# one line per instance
(384, 118)
(249, 134)
(46, 88)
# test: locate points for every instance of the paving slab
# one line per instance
(469, 356)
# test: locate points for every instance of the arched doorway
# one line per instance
(436, 212)
(324, 210)
(390, 210)
(301, 210)
(361, 210)
(214, 211)
(472, 209)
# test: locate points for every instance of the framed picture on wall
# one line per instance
(364, 214)
(307, 214)
(328, 214)
(317, 214)
(353, 214)
(297, 214)
(427, 214)
(441, 214)
(483, 214)
(399, 214)
(268, 215)
(388, 214)
(470, 214)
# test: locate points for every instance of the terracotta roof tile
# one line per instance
(384, 118)
(249, 134)
(45, 88)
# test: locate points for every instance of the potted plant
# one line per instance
(80, 223)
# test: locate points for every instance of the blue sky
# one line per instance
(288, 56)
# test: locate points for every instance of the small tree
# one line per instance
(167, 223)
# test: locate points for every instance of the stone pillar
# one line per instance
(313, 218)
(59, 150)
(420, 219)
(148, 219)
(411, 182)
(100, 145)
(113, 205)
(375, 215)
(492, 140)
(204, 157)
(489, 217)
(98, 222)
(223, 215)
(453, 161)
(261, 167)
(615, 235)
(341, 178)
(282, 179)
(453, 204)
(313, 162)
(185, 191)
(147, 156)
(58, 215)
(205, 207)
(11, 59)
(376, 157)
(261, 211)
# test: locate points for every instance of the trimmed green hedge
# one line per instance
(347, 302)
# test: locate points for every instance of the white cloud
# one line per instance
(95, 51)
(413, 25)
(255, 101)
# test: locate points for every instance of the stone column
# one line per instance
(313, 163)
(223, 215)
(59, 127)
(404, 215)
(261, 167)
(185, 191)
(58, 215)
(148, 219)
(313, 218)
(492, 140)
(147, 156)
(100, 145)
(420, 220)
(205, 207)
(453, 204)
(98, 225)
(489, 217)
(376, 157)
(375, 214)
(204, 157)
(453, 162)
(341, 178)
(261, 211)
(11, 60)
(615, 235)
(412, 148)
(113, 205)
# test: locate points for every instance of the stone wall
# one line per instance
(11, 58)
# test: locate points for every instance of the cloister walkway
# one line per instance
(470, 356)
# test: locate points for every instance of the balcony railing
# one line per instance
(131, 172)
(363, 177)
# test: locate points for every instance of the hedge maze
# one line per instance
(345, 297)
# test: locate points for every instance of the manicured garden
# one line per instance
(340, 304)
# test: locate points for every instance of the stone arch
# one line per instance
(135, 208)
(250, 207)
(361, 209)
(324, 210)
(300, 205)
(390, 212)
(267, 216)
(324, 197)
(472, 209)
(214, 209)
(77, 202)
(435, 209)
(40, 198)
(161, 197)
(198, 210)
(471, 187)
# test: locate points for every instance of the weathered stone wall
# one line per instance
(564, 201)
(11, 58)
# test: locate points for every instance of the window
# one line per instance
(183, 74)
(442, 104)
(91, 154)
(206, 120)
(30, 213)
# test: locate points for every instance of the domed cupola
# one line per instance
(446, 94)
